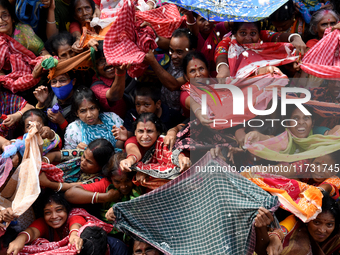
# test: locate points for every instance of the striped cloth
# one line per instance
(165, 20)
(21, 61)
(126, 42)
(323, 59)
(10, 103)
(198, 212)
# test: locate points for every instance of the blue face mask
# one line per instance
(64, 91)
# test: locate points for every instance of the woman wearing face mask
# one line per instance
(61, 94)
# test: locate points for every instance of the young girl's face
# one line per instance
(247, 33)
(55, 215)
(32, 118)
(146, 134)
(122, 183)
(322, 168)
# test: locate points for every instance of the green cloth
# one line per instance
(296, 148)
(25, 35)
(197, 213)
(319, 130)
(49, 63)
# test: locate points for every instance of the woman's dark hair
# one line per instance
(192, 55)
(10, 8)
(284, 13)
(49, 196)
(94, 241)
(31, 112)
(238, 25)
(149, 116)
(291, 107)
(74, 3)
(57, 40)
(181, 32)
(83, 93)
(102, 151)
(148, 89)
(331, 206)
(112, 167)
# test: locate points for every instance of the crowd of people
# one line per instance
(101, 103)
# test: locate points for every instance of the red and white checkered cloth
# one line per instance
(52, 172)
(323, 60)
(126, 42)
(165, 20)
(15, 57)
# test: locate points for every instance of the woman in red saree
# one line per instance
(149, 156)
(59, 223)
(245, 52)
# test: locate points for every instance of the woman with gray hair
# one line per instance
(321, 19)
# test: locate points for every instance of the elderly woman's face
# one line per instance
(83, 11)
(327, 21)
(322, 227)
(6, 22)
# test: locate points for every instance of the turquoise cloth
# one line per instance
(92, 132)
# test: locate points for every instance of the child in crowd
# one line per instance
(148, 99)
(50, 137)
